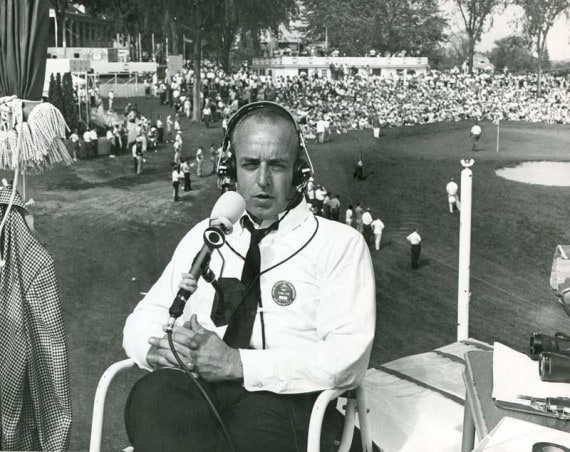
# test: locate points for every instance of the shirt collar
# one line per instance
(288, 219)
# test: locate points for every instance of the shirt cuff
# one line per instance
(259, 373)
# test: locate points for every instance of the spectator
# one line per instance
(366, 223)
(87, 143)
(199, 160)
(415, 240)
(348, 216)
(185, 167)
(176, 180)
(335, 207)
(74, 138)
(377, 227)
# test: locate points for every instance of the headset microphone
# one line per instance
(227, 211)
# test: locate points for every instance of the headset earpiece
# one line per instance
(301, 173)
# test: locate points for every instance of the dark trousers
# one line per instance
(166, 412)
(416, 250)
(175, 185)
(160, 135)
(187, 183)
(367, 233)
(334, 214)
(358, 173)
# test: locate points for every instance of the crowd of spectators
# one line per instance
(355, 99)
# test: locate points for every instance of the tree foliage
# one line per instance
(476, 15)
(393, 26)
(512, 52)
(538, 20)
(55, 96)
(249, 17)
(69, 107)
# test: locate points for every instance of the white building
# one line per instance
(290, 66)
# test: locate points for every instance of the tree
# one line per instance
(475, 14)
(250, 17)
(538, 20)
(60, 7)
(54, 91)
(454, 53)
(512, 52)
(69, 107)
(390, 26)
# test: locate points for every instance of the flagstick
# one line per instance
(498, 132)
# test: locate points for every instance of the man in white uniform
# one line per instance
(305, 324)
(452, 196)
(377, 227)
(475, 135)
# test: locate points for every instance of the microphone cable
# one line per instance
(202, 391)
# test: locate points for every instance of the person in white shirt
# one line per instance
(348, 216)
(111, 140)
(452, 196)
(74, 138)
(110, 99)
(475, 135)
(321, 129)
(175, 177)
(314, 280)
(88, 144)
(169, 126)
(366, 222)
(94, 142)
(320, 193)
(160, 129)
(377, 227)
(415, 240)
(199, 160)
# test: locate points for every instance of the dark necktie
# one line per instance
(240, 325)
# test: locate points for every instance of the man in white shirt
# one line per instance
(321, 129)
(366, 222)
(377, 227)
(110, 99)
(452, 197)
(310, 326)
(199, 160)
(415, 240)
(475, 135)
(88, 144)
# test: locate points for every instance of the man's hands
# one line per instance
(202, 351)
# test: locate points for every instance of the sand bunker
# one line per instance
(539, 173)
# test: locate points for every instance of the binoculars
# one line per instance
(553, 355)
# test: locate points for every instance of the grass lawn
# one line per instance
(111, 233)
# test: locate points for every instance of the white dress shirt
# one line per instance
(319, 306)
(414, 238)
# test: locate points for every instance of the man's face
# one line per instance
(265, 155)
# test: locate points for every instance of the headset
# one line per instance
(303, 168)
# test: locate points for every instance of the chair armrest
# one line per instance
(99, 403)
(317, 415)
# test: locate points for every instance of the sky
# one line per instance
(504, 24)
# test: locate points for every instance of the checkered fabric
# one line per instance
(35, 401)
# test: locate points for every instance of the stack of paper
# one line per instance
(516, 435)
(516, 374)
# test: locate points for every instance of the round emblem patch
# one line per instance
(283, 293)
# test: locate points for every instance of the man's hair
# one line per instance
(264, 115)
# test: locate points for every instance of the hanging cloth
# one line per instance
(35, 400)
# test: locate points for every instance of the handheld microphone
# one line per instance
(226, 212)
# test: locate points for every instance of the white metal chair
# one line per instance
(356, 404)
